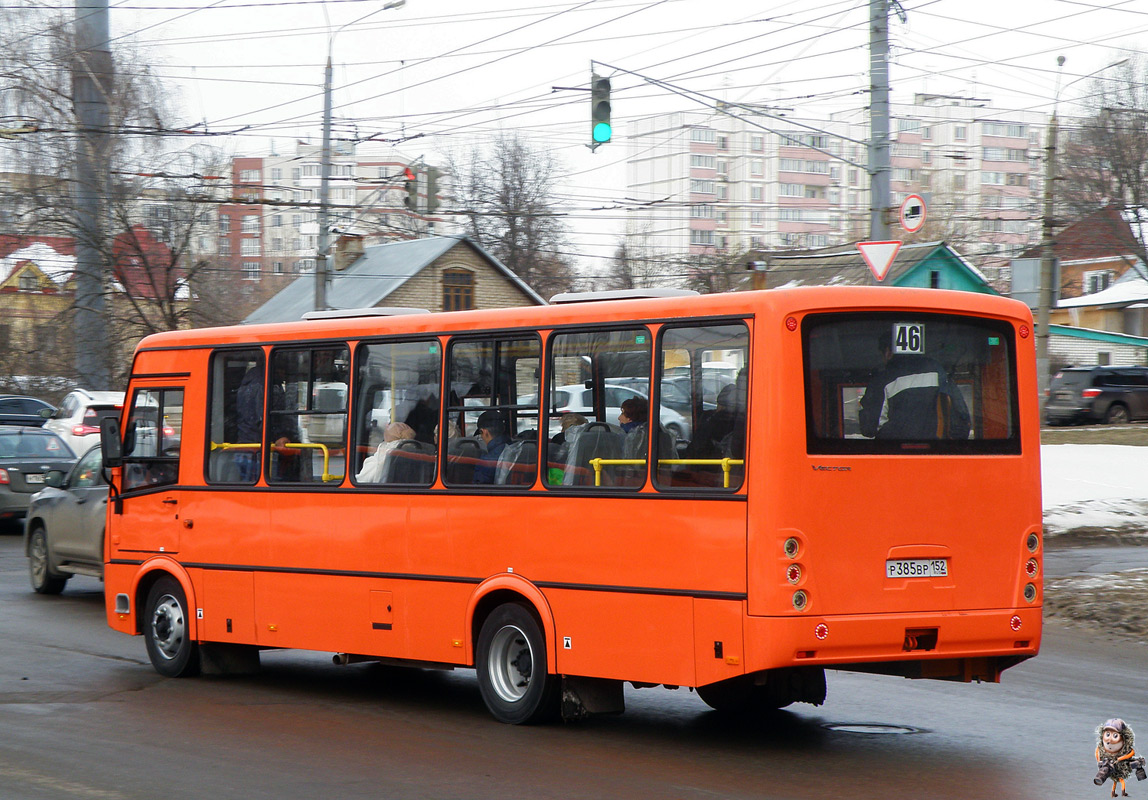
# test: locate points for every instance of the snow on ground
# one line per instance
(1097, 486)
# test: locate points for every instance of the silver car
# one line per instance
(64, 530)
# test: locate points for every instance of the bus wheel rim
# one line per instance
(510, 663)
(168, 626)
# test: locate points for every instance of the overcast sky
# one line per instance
(437, 75)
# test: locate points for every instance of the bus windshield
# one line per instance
(912, 383)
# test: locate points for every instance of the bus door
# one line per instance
(149, 489)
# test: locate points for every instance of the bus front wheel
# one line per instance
(513, 675)
(167, 632)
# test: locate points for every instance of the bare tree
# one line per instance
(1104, 159)
(507, 197)
(157, 196)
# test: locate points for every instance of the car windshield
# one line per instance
(32, 445)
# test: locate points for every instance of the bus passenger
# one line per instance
(374, 466)
(567, 421)
(249, 421)
(714, 436)
(492, 429)
(633, 417)
(912, 398)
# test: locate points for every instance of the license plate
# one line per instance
(917, 568)
(34, 477)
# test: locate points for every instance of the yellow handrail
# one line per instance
(327, 476)
(726, 465)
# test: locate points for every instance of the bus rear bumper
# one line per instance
(956, 645)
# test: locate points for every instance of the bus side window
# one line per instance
(710, 364)
(598, 409)
(306, 430)
(152, 438)
(235, 416)
(492, 406)
(397, 392)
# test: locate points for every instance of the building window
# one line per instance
(1097, 280)
(959, 182)
(757, 168)
(792, 190)
(702, 212)
(756, 218)
(702, 237)
(276, 220)
(702, 135)
(1010, 129)
(249, 224)
(992, 178)
(296, 173)
(224, 223)
(722, 192)
(702, 187)
(225, 247)
(277, 267)
(757, 143)
(248, 247)
(311, 171)
(703, 162)
(962, 133)
(755, 193)
(457, 290)
(28, 281)
(251, 270)
(723, 143)
(249, 176)
(276, 244)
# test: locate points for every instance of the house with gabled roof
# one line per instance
(439, 273)
(932, 265)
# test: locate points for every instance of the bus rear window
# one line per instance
(909, 383)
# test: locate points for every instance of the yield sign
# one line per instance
(879, 256)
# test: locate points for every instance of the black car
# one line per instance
(18, 410)
(1097, 394)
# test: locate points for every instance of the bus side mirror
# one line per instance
(110, 442)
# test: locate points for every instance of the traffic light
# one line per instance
(411, 184)
(432, 189)
(600, 128)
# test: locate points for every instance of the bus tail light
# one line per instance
(800, 600)
(1031, 567)
(1015, 622)
(1030, 592)
(793, 573)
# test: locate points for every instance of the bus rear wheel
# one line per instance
(513, 675)
(167, 632)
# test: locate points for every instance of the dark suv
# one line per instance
(1098, 394)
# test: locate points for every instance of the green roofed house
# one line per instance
(930, 265)
(440, 273)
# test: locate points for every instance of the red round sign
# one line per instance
(913, 213)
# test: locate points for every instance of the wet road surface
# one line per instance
(83, 715)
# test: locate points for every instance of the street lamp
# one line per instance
(322, 260)
(1044, 305)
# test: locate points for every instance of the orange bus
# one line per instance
(728, 492)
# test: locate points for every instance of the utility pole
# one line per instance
(879, 195)
(1044, 303)
(91, 85)
(321, 262)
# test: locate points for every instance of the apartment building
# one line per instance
(718, 183)
(269, 233)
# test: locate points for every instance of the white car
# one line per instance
(77, 420)
(576, 398)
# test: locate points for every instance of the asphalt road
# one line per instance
(83, 716)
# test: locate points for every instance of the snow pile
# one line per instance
(1094, 486)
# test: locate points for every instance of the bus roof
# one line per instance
(790, 300)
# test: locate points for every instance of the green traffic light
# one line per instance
(602, 132)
